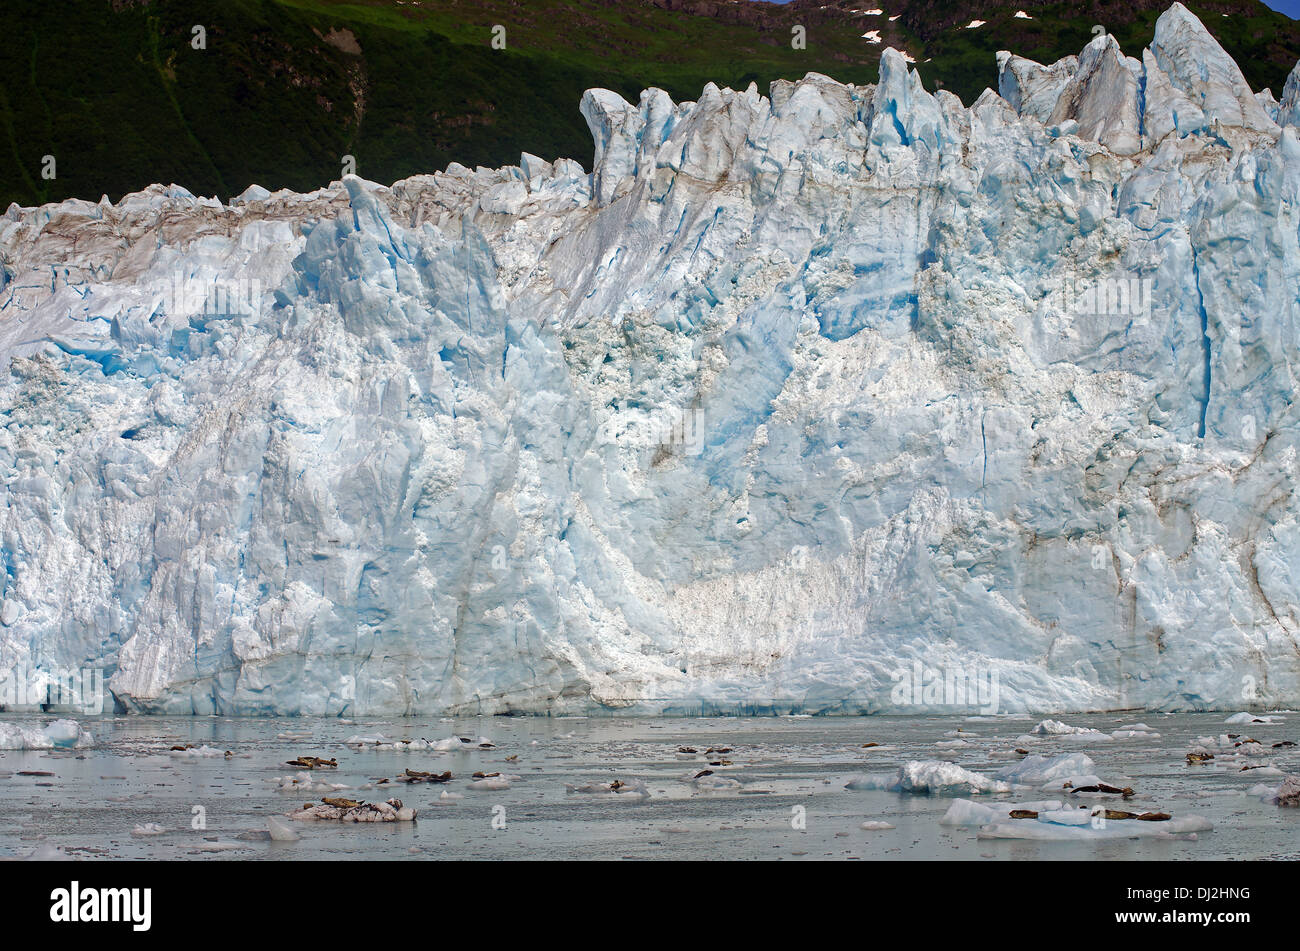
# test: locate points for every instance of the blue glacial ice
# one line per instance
(789, 392)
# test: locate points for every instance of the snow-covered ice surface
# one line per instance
(791, 391)
(127, 797)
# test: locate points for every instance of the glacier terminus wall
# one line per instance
(790, 393)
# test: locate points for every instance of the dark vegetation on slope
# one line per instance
(285, 88)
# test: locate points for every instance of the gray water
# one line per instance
(97, 796)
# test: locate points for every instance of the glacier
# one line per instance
(788, 394)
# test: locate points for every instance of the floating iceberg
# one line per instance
(1073, 768)
(1074, 733)
(1240, 718)
(932, 777)
(1287, 793)
(60, 734)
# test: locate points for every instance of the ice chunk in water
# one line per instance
(61, 734)
(932, 777)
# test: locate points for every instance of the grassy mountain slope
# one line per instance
(114, 91)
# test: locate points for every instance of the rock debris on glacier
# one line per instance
(789, 392)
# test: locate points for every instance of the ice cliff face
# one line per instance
(789, 393)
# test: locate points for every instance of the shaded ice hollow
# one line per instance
(787, 393)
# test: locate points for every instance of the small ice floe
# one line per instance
(367, 739)
(378, 741)
(1211, 794)
(1096, 790)
(217, 846)
(964, 812)
(633, 788)
(1071, 825)
(1287, 793)
(198, 752)
(313, 762)
(59, 734)
(1228, 751)
(1018, 752)
(1055, 820)
(48, 853)
(148, 829)
(1135, 731)
(280, 830)
(294, 735)
(1051, 772)
(1264, 792)
(492, 782)
(932, 777)
(1252, 718)
(1243, 745)
(1066, 731)
(875, 825)
(350, 810)
(301, 782)
(418, 776)
(448, 796)
(708, 780)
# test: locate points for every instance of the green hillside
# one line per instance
(115, 92)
